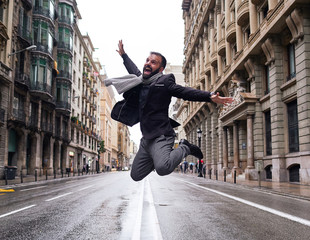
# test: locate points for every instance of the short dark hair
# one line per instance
(163, 59)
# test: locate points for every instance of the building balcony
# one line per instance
(33, 122)
(19, 115)
(43, 12)
(27, 4)
(94, 78)
(42, 90)
(213, 59)
(44, 48)
(65, 20)
(63, 107)
(221, 50)
(243, 13)
(65, 75)
(231, 32)
(85, 62)
(24, 35)
(47, 127)
(22, 79)
(66, 47)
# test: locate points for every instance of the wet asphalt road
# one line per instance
(112, 206)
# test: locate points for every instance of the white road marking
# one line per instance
(16, 211)
(51, 199)
(84, 188)
(28, 189)
(153, 219)
(261, 207)
(137, 227)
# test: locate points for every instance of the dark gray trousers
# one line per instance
(157, 154)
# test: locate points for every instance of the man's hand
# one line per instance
(221, 100)
(120, 50)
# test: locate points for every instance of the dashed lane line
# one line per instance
(16, 211)
(29, 189)
(54, 198)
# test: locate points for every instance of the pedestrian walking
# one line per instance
(87, 168)
(191, 168)
(147, 96)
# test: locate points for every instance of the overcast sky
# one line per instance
(143, 25)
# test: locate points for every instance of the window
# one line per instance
(65, 38)
(291, 62)
(45, 7)
(246, 34)
(1, 12)
(41, 75)
(42, 36)
(74, 76)
(292, 119)
(73, 100)
(24, 24)
(65, 65)
(63, 93)
(66, 13)
(268, 133)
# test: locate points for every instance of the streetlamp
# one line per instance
(199, 133)
(30, 48)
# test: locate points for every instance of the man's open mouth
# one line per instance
(147, 70)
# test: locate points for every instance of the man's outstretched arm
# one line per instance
(129, 64)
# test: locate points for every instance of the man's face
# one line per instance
(152, 66)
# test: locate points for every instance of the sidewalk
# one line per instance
(295, 190)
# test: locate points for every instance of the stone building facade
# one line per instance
(38, 121)
(258, 53)
(6, 81)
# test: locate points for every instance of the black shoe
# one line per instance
(195, 151)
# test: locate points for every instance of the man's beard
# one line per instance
(152, 73)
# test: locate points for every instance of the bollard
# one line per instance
(78, 172)
(216, 174)
(210, 172)
(224, 175)
(46, 174)
(35, 175)
(21, 176)
(235, 176)
(54, 173)
(259, 180)
(6, 176)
